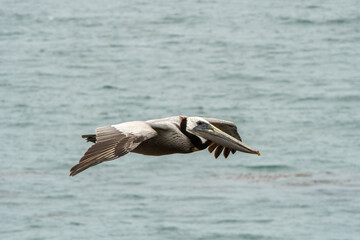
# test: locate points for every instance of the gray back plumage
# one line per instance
(169, 138)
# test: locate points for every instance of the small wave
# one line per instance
(76, 223)
(21, 105)
(246, 236)
(92, 24)
(307, 99)
(264, 177)
(169, 20)
(225, 221)
(20, 174)
(173, 20)
(321, 182)
(79, 67)
(68, 19)
(116, 45)
(269, 167)
(200, 198)
(139, 216)
(301, 21)
(62, 196)
(230, 221)
(289, 20)
(132, 196)
(313, 7)
(332, 39)
(349, 98)
(11, 33)
(172, 42)
(109, 87)
(167, 228)
(342, 20)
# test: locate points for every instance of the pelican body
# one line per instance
(178, 134)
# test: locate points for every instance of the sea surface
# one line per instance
(286, 72)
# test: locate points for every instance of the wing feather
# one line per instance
(212, 147)
(218, 151)
(226, 152)
(113, 142)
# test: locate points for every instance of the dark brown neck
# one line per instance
(193, 138)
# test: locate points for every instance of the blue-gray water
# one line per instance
(287, 72)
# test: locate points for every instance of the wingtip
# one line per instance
(226, 152)
(218, 151)
(75, 170)
(212, 147)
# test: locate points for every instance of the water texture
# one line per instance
(286, 72)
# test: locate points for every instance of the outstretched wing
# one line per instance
(113, 142)
(225, 126)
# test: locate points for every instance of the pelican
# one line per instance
(178, 134)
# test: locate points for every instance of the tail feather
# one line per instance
(90, 137)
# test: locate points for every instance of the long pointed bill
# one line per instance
(214, 134)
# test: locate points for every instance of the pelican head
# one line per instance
(193, 122)
(205, 130)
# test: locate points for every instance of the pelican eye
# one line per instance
(200, 123)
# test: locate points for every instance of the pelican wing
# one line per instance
(227, 127)
(113, 142)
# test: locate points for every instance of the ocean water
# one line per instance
(286, 72)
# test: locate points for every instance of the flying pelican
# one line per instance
(178, 134)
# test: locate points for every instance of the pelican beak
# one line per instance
(212, 133)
